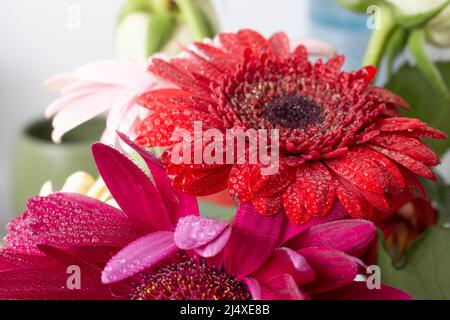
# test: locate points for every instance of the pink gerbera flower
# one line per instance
(162, 249)
(96, 88)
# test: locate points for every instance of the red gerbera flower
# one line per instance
(341, 139)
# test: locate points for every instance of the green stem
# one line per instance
(194, 19)
(161, 6)
(416, 44)
(394, 48)
(380, 37)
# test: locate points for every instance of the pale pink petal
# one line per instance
(286, 261)
(139, 255)
(213, 248)
(84, 108)
(349, 236)
(193, 232)
(82, 85)
(59, 81)
(252, 241)
(72, 97)
(113, 72)
(314, 47)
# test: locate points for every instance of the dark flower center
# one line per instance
(293, 111)
(190, 280)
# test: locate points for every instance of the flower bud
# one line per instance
(438, 28)
(149, 26)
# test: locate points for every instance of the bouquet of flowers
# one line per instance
(309, 159)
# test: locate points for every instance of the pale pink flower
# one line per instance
(95, 88)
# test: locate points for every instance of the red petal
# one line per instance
(280, 45)
(163, 99)
(216, 56)
(269, 206)
(315, 184)
(158, 129)
(399, 124)
(195, 64)
(173, 74)
(415, 166)
(239, 181)
(359, 171)
(231, 44)
(248, 182)
(154, 131)
(408, 146)
(367, 73)
(293, 206)
(335, 64)
(380, 201)
(253, 40)
(387, 96)
(426, 132)
(351, 199)
(390, 168)
(204, 182)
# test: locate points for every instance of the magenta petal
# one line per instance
(281, 287)
(141, 254)
(66, 220)
(359, 291)
(291, 230)
(333, 269)
(254, 287)
(349, 236)
(11, 260)
(286, 261)
(214, 247)
(193, 232)
(252, 240)
(179, 204)
(131, 188)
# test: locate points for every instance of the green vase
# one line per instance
(37, 159)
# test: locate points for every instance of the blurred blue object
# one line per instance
(346, 30)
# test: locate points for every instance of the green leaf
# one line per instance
(427, 104)
(160, 30)
(416, 44)
(419, 20)
(426, 273)
(440, 193)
